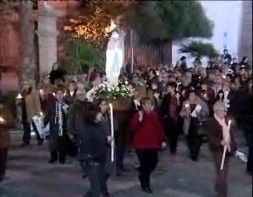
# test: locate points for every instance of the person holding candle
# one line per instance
(6, 120)
(194, 112)
(147, 141)
(169, 113)
(220, 136)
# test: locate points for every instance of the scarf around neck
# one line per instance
(60, 112)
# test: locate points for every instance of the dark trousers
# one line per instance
(221, 187)
(120, 155)
(194, 141)
(172, 131)
(3, 161)
(58, 155)
(250, 158)
(97, 177)
(27, 133)
(148, 159)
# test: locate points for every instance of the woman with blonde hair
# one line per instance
(220, 136)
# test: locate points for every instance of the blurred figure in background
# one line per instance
(169, 112)
(69, 97)
(56, 76)
(30, 107)
(6, 121)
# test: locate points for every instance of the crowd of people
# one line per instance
(168, 101)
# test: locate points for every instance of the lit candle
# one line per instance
(112, 132)
(225, 147)
(177, 95)
(19, 96)
(2, 121)
(41, 91)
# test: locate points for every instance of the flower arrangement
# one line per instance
(112, 92)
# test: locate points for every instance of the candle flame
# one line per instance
(19, 96)
(2, 120)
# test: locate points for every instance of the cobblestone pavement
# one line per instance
(29, 175)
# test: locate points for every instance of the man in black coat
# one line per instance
(93, 152)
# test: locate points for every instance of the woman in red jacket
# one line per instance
(148, 138)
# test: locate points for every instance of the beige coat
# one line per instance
(33, 105)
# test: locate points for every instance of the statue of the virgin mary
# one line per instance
(115, 55)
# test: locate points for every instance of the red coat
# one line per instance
(149, 133)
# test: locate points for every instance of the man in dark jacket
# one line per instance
(93, 151)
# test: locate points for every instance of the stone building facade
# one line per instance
(46, 37)
(245, 40)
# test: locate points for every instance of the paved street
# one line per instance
(29, 175)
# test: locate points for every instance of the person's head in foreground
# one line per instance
(220, 109)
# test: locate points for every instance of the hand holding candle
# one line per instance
(225, 147)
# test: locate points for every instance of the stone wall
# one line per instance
(245, 40)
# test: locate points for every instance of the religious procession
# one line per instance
(98, 121)
(142, 111)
